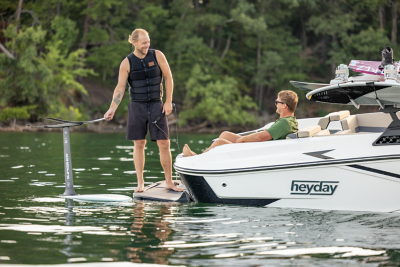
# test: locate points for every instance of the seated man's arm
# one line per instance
(279, 130)
(255, 137)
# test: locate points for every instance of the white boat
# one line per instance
(337, 162)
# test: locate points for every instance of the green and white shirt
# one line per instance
(282, 127)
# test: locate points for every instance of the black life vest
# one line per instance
(145, 78)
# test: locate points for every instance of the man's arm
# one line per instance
(169, 82)
(119, 89)
(255, 137)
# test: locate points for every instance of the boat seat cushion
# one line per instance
(308, 131)
(322, 133)
(350, 123)
(344, 132)
(339, 115)
(324, 122)
(334, 116)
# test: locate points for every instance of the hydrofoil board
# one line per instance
(99, 197)
(157, 192)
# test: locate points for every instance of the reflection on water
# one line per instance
(150, 229)
(37, 227)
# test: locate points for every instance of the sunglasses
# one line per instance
(276, 102)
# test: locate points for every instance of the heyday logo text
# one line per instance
(326, 188)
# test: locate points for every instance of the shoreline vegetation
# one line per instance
(113, 127)
(229, 59)
(119, 126)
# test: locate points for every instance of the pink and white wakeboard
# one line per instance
(369, 67)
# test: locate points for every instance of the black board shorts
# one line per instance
(140, 118)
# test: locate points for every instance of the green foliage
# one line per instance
(215, 100)
(20, 84)
(65, 33)
(222, 53)
(42, 76)
(150, 16)
(107, 58)
(20, 113)
(59, 110)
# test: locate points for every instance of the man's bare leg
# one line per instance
(219, 142)
(231, 137)
(138, 160)
(166, 163)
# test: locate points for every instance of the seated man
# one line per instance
(286, 124)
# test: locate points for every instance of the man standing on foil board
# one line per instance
(144, 70)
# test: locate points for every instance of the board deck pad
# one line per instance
(370, 67)
(157, 192)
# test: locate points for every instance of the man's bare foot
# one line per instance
(187, 152)
(172, 186)
(139, 189)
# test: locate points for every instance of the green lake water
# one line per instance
(37, 227)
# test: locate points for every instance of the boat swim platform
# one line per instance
(157, 192)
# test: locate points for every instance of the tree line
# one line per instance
(229, 58)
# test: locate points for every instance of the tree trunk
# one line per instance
(333, 64)
(381, 14)
(18, 14)
(5, 50)
(86, 27)
(260, 99)
(58, 8)
(259, 85)
(228, 43)
(303, 32)
(394, 21)
(212, 42)
(219, 39)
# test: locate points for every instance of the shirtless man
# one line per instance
(144, 70)
(286, 124)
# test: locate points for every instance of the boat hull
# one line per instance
(357, 187)
(200, 190)
(334, 172)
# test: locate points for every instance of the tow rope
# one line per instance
(166, 135)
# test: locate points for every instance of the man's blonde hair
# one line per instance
(289, 98)
(135, 35)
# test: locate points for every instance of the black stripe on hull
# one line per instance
(375, 170)
(200, 191)
(333, 162)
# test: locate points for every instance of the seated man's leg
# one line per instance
(187, 152)
(231, 137)
(219, 142)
